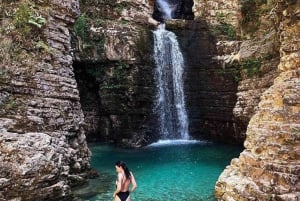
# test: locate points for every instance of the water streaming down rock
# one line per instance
(170, 103)
(165, 8)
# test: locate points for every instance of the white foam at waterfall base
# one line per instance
(161, 143)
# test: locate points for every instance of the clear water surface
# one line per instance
(164, 171)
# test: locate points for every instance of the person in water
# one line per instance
(125, 178)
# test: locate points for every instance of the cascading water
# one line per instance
(166, 9)
(170, 103)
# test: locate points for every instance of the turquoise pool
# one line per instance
(166, 171)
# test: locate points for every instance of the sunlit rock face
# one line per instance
(211, 10)
(42, 141)
(269, 167)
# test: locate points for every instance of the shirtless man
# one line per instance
(125, 178)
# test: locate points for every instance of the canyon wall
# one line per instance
(114, 51)
(42, 140)
(116, 56)
(210, 11)
(227, 69)
(269, 167)
(231, 65)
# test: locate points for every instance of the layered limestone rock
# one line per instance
(252, 59)
(258, 59)
(211, 11)
(42, 141)
(116, 56)
(113, 31)
(269, 167)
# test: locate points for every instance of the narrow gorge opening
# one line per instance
(178, 9)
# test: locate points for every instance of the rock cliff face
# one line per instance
(249, 55)
(211, 11)
(269, 167)
(42, 141)
(116, 55)
(232, 50)
(224, 77)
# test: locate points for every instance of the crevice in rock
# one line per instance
(89, 98)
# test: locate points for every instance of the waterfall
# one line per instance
(166, 9)
(170, 103)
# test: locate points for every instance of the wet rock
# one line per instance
(92, 174)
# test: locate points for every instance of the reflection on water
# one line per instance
(184, 172)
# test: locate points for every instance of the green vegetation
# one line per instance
(100, 22)
(124, 21)
(121, 6)
(244, 69)
(233, 71)
(21, 33)
(27, 17)
(251, 67)
(89, 40)
(44, 47)
(37, 21)
(9, 103)
(81, 27)
(91, 26)
(119, 79)
(120, 69)
(112, 86)
(22, 17)
(251, 11)
(223, 28)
